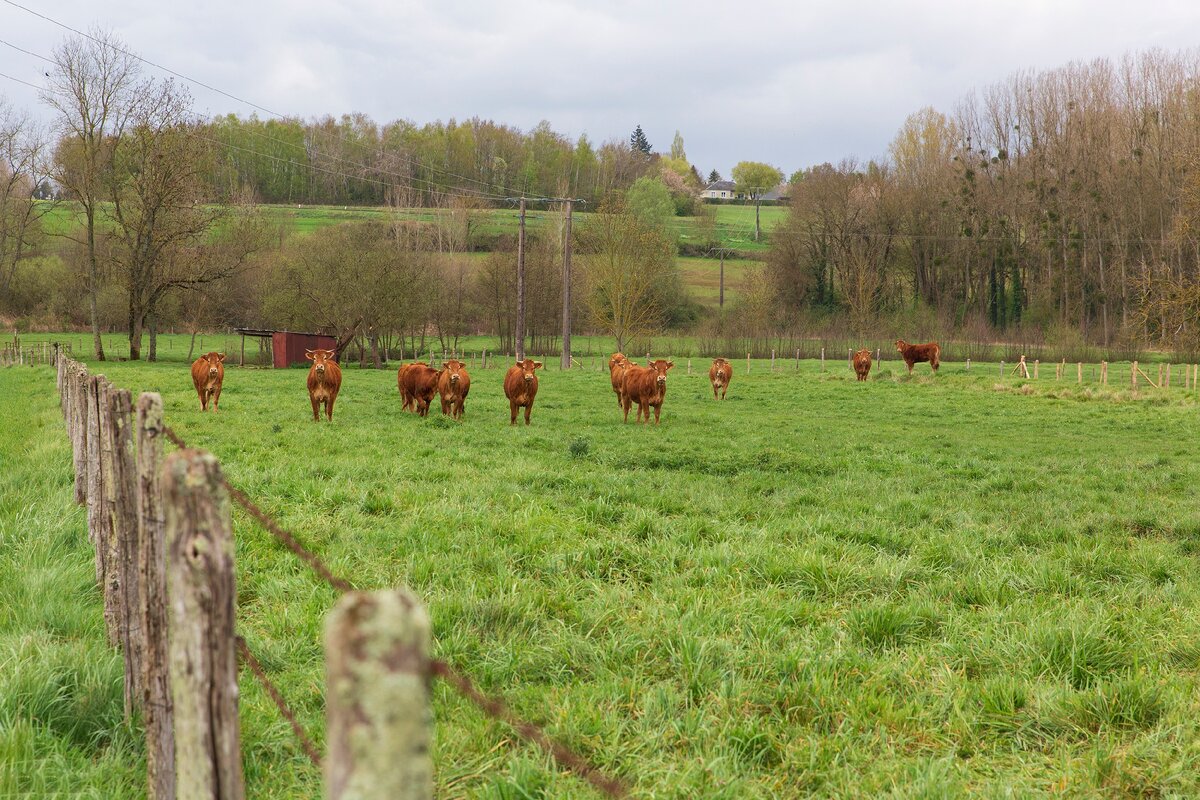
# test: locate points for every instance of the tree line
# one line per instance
(1063, 200)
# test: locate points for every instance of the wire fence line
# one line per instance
(160, 522)
(493, 707)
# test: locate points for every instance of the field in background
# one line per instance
(931, 587)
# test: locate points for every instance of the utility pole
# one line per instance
(721, 297)
(520, 337)
(566, 334)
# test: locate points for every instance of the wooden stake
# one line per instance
(379, 724)
(122, 500)
(1133, 371)
(1036, 364)
(157, 707)
(203, 652)
(1079, 370)
(747, 363)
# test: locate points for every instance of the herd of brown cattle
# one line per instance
(418, 382)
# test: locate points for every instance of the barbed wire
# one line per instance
(493, 707)
(273, 692)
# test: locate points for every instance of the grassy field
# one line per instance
(935, 587)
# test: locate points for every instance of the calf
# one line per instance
(719, 374)
(418, 382)
(916, 353)
(324, 381)
(520, 387)
(208, 372)
(617, 364)
(453, 385)
(646, 386)
(862, 364)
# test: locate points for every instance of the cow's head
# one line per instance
(615, 360)
(863, 355)
(660, 368)
(528, 367)
(319, 358)
(214, 362)
(722, 369)
(900, 345)
(454, 369)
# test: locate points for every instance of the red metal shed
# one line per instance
(287, 347)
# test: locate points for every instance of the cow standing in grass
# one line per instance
(520, 387)
(208, 373)
(917, 353)
(418, 383)
(324, 382)
(617, 364)
(453, 385)
(719, 374)
(646, 386)
(862, 364)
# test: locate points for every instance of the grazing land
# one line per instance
(917, 588)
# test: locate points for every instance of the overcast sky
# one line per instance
(790, 83)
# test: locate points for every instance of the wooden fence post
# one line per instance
(79, 421)
(152, 603)
(772, 359)
(1036, 363)
(797, 359)
(1001, 368)
(1167, 383)
(968, 365)
(822, 359)
(1133, 374)
(203, 652)
(1079, 373)
(97, 513)
(379, 725)
(122, 503)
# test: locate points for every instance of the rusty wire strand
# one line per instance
(272, 690)
(492, 707)
(497, 709)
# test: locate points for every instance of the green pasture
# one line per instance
(734, 223)
(930, 587)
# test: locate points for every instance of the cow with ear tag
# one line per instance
(324, 381)
(520, 387)
(646, 386)
(208, 373)
(453, 385)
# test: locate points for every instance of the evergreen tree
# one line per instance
(714, 176)
(638, 142)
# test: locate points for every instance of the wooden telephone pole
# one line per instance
(520, 333)
(566, 334)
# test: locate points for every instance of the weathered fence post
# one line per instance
(379, 725)
(1167, 383)
(689, 366)
(968, 365)
(1036, 363)
(822, 359)
(1133, 374)
(1160, 376)
(1079, 370)
(79, 436)
(97, 513)
(797, 359)
(203, 652)
(772, 359)
(122, 503)
(1002, 368)
(747, 363)
(152, 603)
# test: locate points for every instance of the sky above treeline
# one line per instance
(790, 83)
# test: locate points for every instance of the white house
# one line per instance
(720, 190)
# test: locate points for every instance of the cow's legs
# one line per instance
(625, 405)
(329, 408)
(657, 410)
(528, 408)
(316, 404)
(216, 397)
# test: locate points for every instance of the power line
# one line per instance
(234, 97)
(18, 80)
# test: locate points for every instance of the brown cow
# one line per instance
(917, 353)
(324, 381)
(617, 364)
(418, 383)
(453, 385)
(646, 386)
(520, 387)
(208, 372)
(862, 364)
(719, 374)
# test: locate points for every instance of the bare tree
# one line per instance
(90, 88)
(21, 152)
(628, 273)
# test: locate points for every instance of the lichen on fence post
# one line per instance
(203, 651)
(152, 602)
(379, 724)
(122, 504)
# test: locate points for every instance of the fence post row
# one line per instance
(377, 698)
(203, 653)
